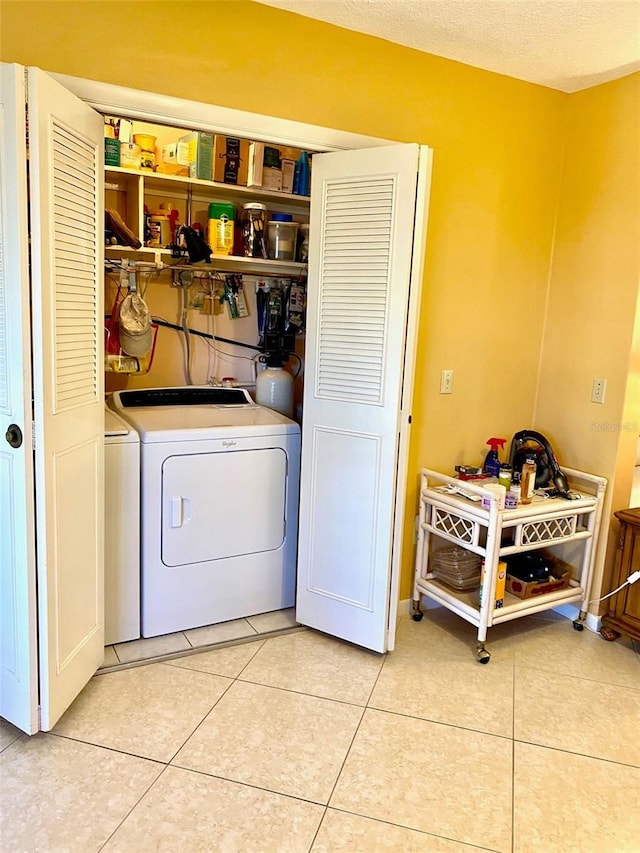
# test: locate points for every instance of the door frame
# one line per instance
(19, 676)
(152, 107)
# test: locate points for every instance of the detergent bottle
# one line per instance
(491, 465)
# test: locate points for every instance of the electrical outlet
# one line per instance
(598, 390)
(446, 382)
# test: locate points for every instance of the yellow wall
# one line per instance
(498, 148)
(594, 290)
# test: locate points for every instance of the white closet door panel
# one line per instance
(18, 635)
(346, 526)
(66, 167)
(360, 270)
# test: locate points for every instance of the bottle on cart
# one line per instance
(513, 495)
(504, 477)
(528, 480)
(491, 465)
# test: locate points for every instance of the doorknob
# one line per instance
(14, 435)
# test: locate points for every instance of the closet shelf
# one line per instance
(155, 182)
(222, 263)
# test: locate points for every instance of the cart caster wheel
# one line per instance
(483, 656)
(417, 617)
(578, 626)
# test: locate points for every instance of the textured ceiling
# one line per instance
(564, 44)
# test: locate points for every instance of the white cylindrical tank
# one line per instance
(274, 389)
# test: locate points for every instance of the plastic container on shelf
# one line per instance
(159, 224)
(146, 141)
(147, 145)
(303, 243)
(457, 567)
(283, 233)
(254, 230)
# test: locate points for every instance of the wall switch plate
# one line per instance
(598, 390)
(446, 382)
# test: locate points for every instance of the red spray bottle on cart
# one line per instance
(491, 465)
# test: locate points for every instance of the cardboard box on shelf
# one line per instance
(170, 169)
(288, 172)
(174, 159)
(176, 153)
(254, 170)
(200, 154)
(230, 160)
(275, 177)
(501, 577)
(561, 575)
(272, 169)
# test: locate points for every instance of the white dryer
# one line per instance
(219, 505)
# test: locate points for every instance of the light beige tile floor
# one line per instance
(304, 743)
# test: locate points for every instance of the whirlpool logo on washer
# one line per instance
(229, 443)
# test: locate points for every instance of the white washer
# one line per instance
(122, 530)
(220, 481)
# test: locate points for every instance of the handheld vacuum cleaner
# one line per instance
(528, 442)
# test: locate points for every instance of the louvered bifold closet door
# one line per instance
(67, 228)
(354, 289)
(78, 364)
(363, 206)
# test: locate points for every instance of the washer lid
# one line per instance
(114, 425)
(169, 418)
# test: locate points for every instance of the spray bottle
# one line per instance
(491, 465)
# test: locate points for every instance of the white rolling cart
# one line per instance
(495, 533)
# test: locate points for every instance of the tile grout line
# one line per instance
(188, 738)
(251, 785)
(439, 723)
(320, 822)
(226, 690)
(348, 750)
(461, 844)
(133, 807)
(557, 674)
(61, 736)
(365, 708)
(579, 754)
